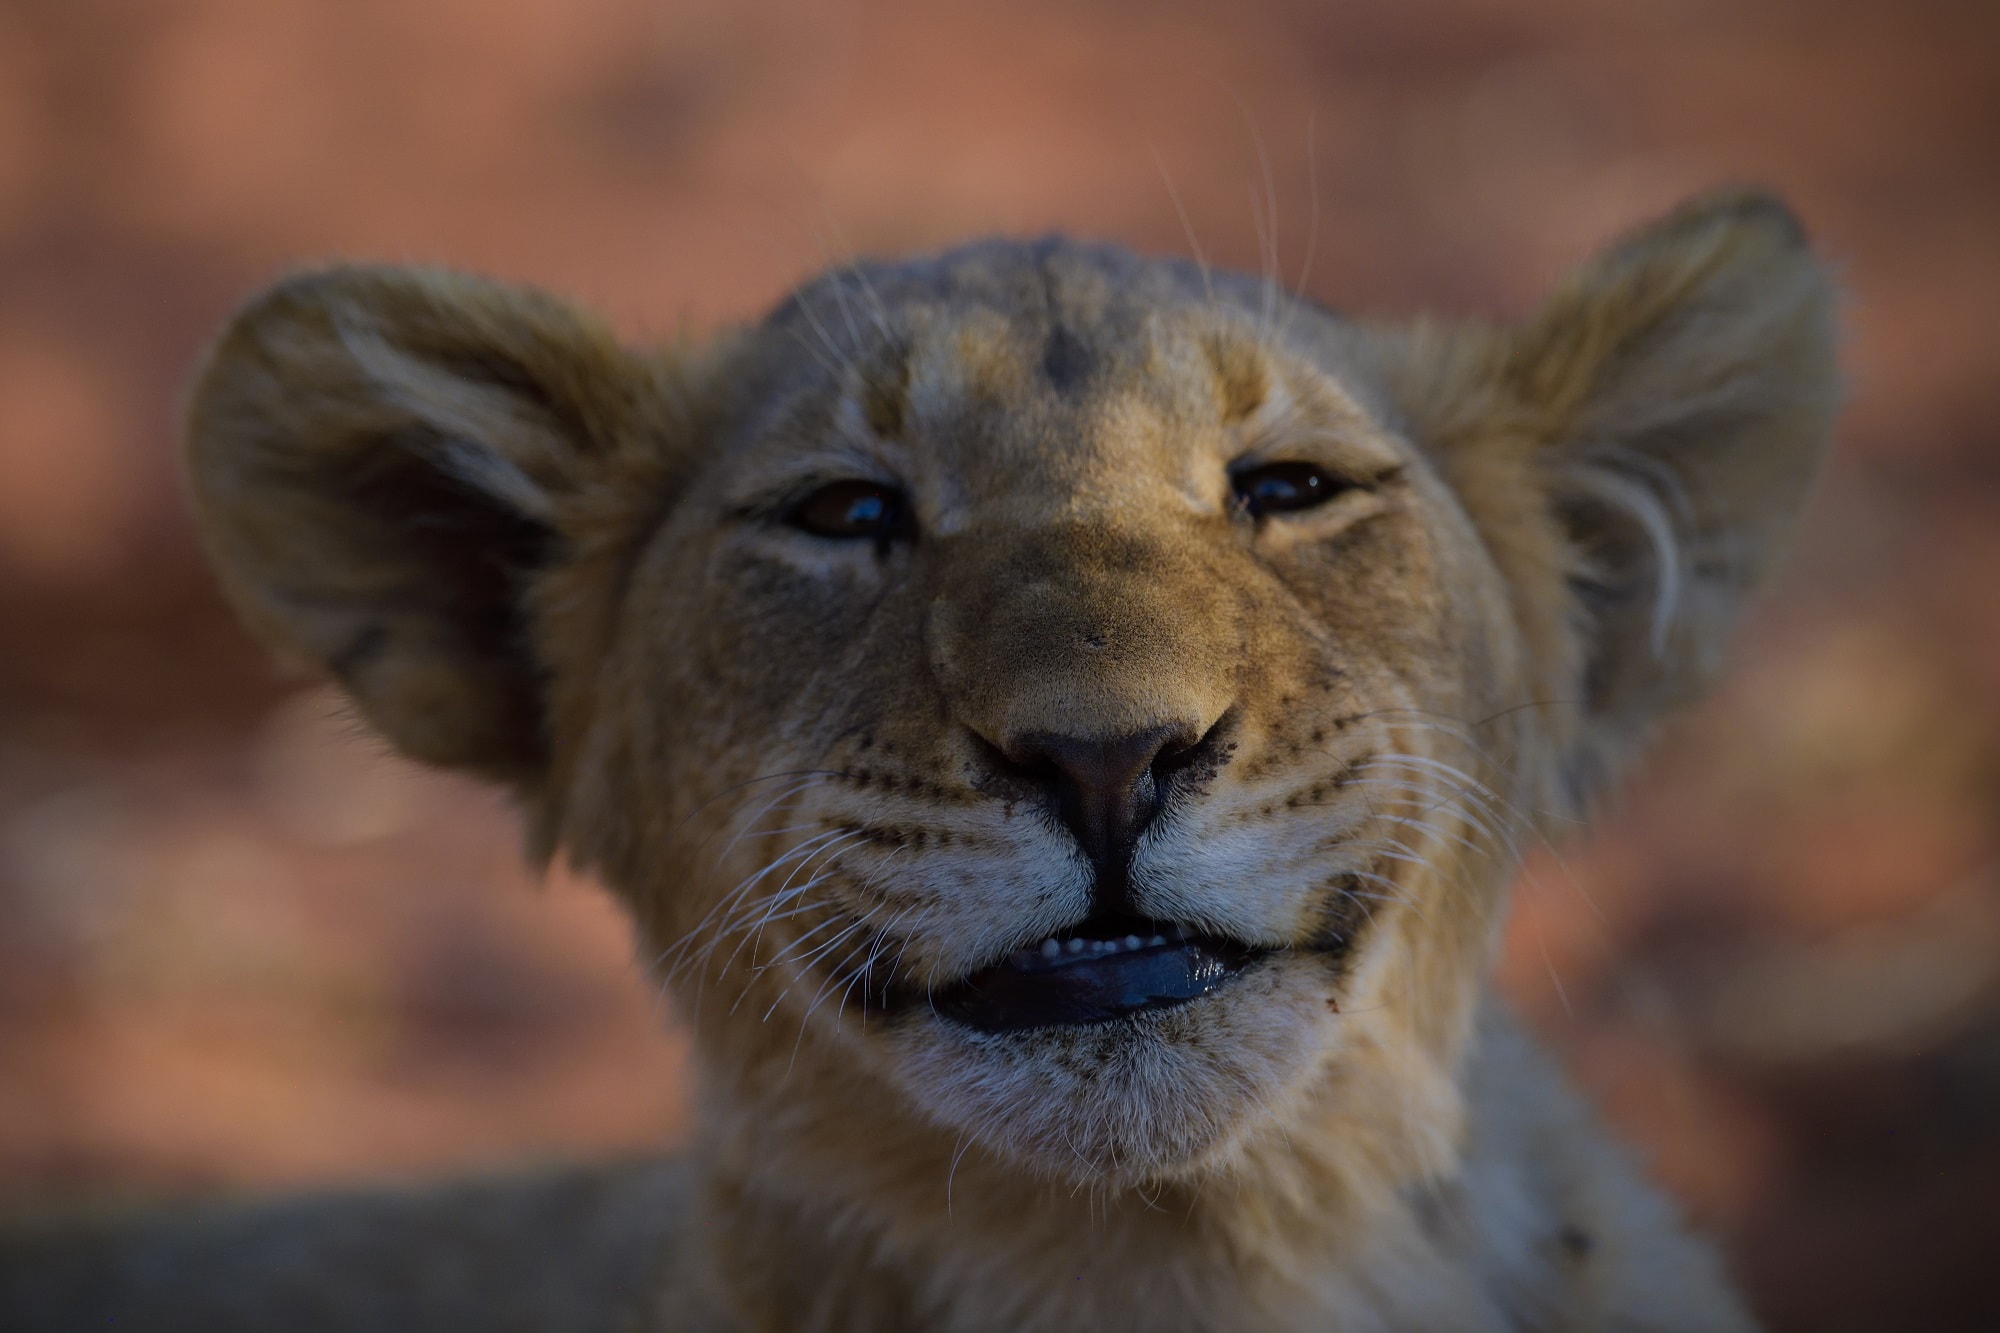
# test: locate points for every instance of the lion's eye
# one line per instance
(853, 509)
(1278, 488)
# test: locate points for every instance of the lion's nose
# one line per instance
(1106, 791)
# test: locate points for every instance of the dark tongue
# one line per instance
(1090, 990)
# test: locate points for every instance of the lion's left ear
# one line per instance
(1662, 416)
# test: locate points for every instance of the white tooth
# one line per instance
(1157, 939)
(1131, 941)
(1075, 946)
(1051, 948)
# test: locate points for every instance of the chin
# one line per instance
(1164, 1091)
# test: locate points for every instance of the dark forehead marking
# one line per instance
(1067, 360)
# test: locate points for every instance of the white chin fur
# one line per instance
(1164, 1094)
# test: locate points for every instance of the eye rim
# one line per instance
(818, 512)
(1322, 484)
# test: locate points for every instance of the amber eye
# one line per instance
(1278, 488)
(853, 509)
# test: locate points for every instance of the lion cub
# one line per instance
(1062, 723)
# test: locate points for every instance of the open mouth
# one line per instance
(1103, 968)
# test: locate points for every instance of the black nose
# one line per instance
(1106, 791)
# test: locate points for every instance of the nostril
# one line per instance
(1021, 770)
(1175, 756)
(1188, 751)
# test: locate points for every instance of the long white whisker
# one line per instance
(785, 890)
(730, 902)
(1187, 224)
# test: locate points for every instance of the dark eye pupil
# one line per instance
(1281, 487)
(1281, 490)
(851, 509)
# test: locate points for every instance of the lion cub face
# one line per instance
(1075, 668)
(1069, 701)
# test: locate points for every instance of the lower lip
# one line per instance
(1012, 998)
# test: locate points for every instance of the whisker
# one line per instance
(1187, 224)
(731, 901)
(1312, 228)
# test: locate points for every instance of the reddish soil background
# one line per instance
(242, 949)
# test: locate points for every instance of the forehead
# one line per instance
(1007, 348)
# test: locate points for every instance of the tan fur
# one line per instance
(529, 553)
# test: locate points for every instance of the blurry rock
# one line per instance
(326, 780)
(66, 863)
(1886, 989)
(71, 482)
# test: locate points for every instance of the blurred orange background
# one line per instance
(240, 948)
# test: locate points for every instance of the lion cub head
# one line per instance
(1035, 696)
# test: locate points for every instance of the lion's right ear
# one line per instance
(379, 459)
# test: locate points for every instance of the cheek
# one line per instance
(1373, 587)
(736, 655)
(703, 689)
(760, 632)
(1414, 601)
